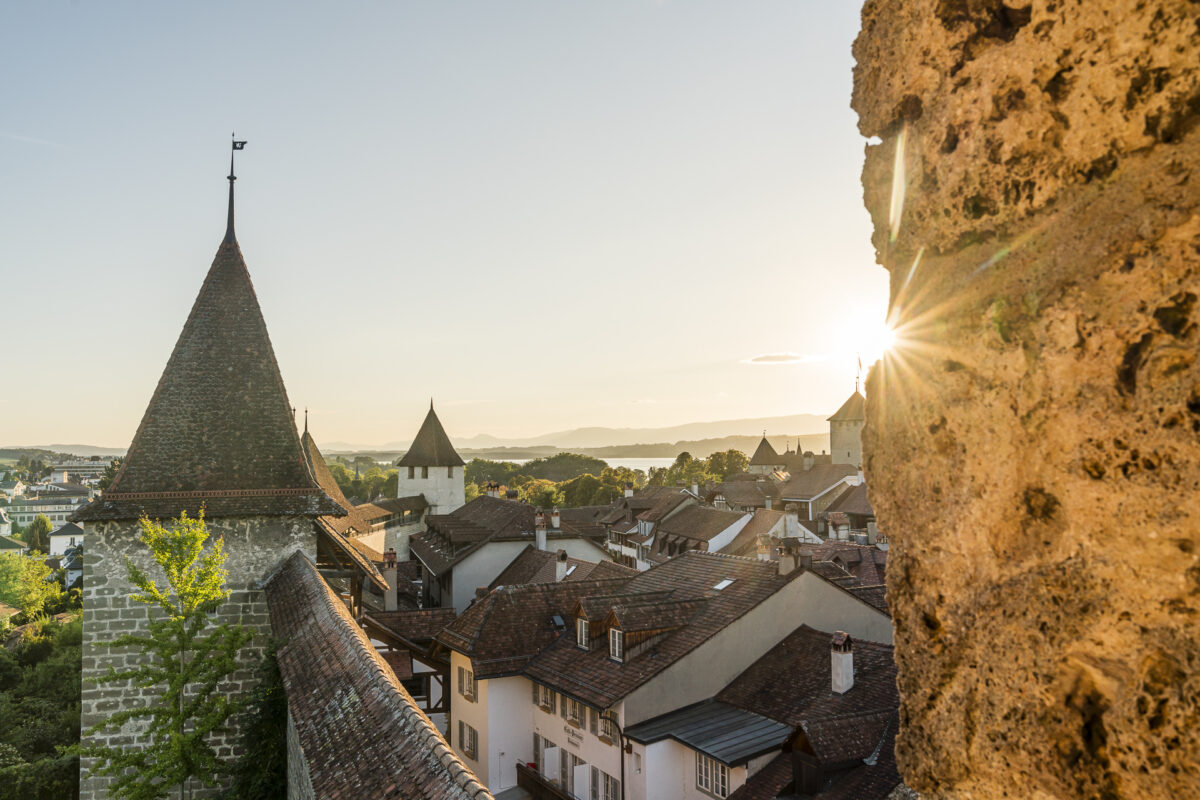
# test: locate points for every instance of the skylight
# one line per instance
(723, 584)
(571, 568)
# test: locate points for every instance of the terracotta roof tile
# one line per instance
(816, 481)
(418, 625)
(362, 734)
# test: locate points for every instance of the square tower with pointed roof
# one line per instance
(218, 436)
(845, 430)
(433, 468)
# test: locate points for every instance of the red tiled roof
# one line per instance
(541, 566)
(816, 481)
(699, 523)
(361, 733)
(746, 541)
(418, 625)
(853, 502)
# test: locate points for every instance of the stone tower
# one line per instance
(765, 460)
(845, 431)
(218, 435)
(432, 467)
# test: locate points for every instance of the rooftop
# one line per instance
(431, 447)
(340, 691)
(729, 734)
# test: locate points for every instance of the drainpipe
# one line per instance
(621, 745)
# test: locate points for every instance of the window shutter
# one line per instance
(563, 710)
(461, 736)
(593, 717)
(595, 784)
(535, 695)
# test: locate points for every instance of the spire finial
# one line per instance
(858, 375)
(306, 419)
(431, 402)
(229, 234)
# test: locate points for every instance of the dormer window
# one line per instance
(581, 632)
(616, 644)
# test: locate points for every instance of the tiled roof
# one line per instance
(69, 529)
(663, 505)
(764, 455)
(806, 697)
(504, 630)
(218, 432)
(866, 563)
(9, 543)
(350, 522)
(698, 523)
(418, 626)
(854, 409)
(853, 502)
(592, 677)
(746, 541)
(809, 484)
(747, 494)
(541, 566)
(431, 447)
(362, 734)
(396, 505)
(452, 537)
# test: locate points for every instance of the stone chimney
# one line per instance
(629, 489)
(539, 529)
(391, 601)
(555, 519)
(808, 459)
(791, 521)
(560, 566)
(511, 494)
(764, 548)
(787, 562)
(841, 656)
(696, 488)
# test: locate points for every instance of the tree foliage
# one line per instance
(185, 657)
(37, 535)
(580, 480)
(39, 713)
(24, 584)
(110, 474)
(688, 470)
(261, 771)
(372, 483)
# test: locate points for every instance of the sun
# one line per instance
(870, 342)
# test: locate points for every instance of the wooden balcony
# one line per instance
(538, 785)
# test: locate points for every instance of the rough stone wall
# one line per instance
(255, 547)
(1032, 444)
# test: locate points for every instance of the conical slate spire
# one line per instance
(218, 432)
(765, 455)
(431, 447)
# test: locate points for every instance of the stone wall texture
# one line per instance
(255, 548)
(1033, 444)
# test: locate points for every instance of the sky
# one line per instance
(545, 215)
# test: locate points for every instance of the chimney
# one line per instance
(764, 548)
(805, 561)
(555, 519)
(768, 504)
(696, 488)
(791, 521)
(629, 489)
(390, 573)
(787, 562)
(872, 533)
(511, 494)
(841, 656)
(539, 529)
(560, 566)
(808, 459)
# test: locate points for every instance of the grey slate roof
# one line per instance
(218, 432)
(765, 455)
(431, 447)
(729, 734)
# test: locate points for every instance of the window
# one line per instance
(604, 786)
(608, 729)
(616, 644)
(412, 473)
(543, 697)
(468, 739)
(723, 584)
(712, 776)
(581, 632)
(449, 472)
(424, 472)
(574, 712)
(466, 683)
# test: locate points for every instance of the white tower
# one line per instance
(433, 468)
(845, 430)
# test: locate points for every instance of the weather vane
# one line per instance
(237, 145)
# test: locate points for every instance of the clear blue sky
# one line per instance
(544, 214)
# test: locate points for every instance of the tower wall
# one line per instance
(845, 441)
(255, 546)
(444, 489)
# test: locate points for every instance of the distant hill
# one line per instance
(580, 440)
(84, 450)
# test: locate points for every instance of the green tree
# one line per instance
(23, 583)
(542, 493)
(37, 535)
(471, 491)
(186, 657)
(261, 771)
(725, 463)
(110, 474)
